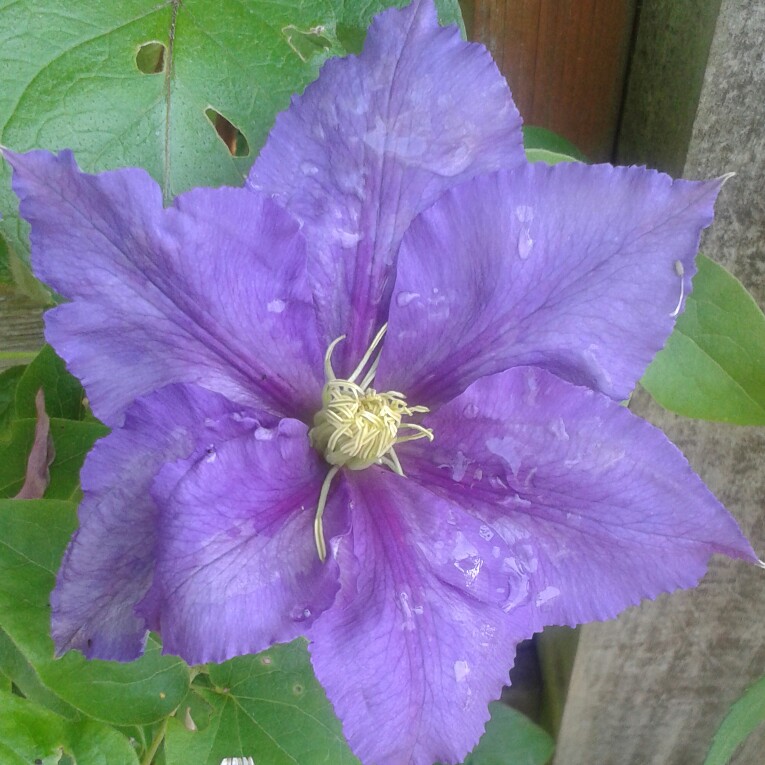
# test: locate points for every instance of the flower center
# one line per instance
(357, 427)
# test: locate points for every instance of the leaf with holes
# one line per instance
(713, 366)
(269, 707)
(186, 90)
(33, 535)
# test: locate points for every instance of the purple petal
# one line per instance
(373, 142)
(109, 563)
(211, 291)
(599, 509)
(573, 268)
(415, 646)
(237, 567)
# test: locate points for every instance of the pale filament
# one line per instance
(357, 427)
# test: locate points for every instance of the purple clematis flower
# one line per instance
(372, 398)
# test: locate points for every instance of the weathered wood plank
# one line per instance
(653, 686)
(565, 61)
(20, 330)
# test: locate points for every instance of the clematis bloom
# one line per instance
(372, 397)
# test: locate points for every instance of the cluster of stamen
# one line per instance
(357, 427)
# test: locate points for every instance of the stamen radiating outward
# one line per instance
(357, 427)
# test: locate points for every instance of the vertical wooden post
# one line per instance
(565, 61)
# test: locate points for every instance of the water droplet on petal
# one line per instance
(276, 306)
(461, 670)
(470, 411)
(548, 594)
(558, 429)
(524, 213)
(300, 614)
(211, 454)
(525, 243)
(264, 434)
(459, 467)
(404, 298)
(308, 168)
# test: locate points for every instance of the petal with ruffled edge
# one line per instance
(211, 291)
(373, 142)
(236, 562)
(578, 269)
(109, 563)
(599, 509)
(416, 644)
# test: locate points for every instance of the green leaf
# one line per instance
(549, 157)
(713, 366)
(742, 718)
(539, 138)
(30, 733)
(33, 535)
(511, 739)
(64, 396)
(72, 439)
(269, 707)
(9, 379)
(17, 667)
(132, 83)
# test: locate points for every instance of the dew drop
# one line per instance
(459, 467)
(497, 483)
(308, 168)
(300, 614)
(525, 243)
(548, 594)
(211, 454)
(264, 434)
(470, 411)
(404, 298)
(558, 429)
(276, 306)
(524, 213)
(461, 670)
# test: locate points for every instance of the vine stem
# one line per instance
(156, 741)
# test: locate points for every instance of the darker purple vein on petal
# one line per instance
(598, 508)
(416, 644)
(572, 268)
(211, 291)
(109, 564)
(372, 143)
(236, 564)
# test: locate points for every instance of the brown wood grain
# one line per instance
(565, 61)
(21, 329)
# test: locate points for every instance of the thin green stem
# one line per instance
(148, 758)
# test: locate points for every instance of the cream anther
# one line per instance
(357, 427)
